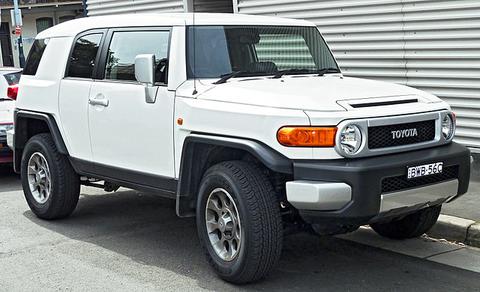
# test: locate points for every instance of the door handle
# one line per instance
(98, 101)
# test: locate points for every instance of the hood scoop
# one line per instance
(383, 103)
(378, 101)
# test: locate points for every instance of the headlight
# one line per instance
(350, 139)
(448, 127)
(4, 128)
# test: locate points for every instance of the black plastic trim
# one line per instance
(365, 177)
(265, 154)
(165, 186)
(383, 103)
(22, 136)
(195, 154)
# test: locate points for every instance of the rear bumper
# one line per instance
(10, 138)
(360, 191)
(6, 155)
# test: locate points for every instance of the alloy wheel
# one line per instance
(39, 179)
(223, 224)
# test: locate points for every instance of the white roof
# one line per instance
(5, 70)
(74, 27)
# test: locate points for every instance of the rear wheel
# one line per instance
(410, 226)
(50, 184)
(239, 221)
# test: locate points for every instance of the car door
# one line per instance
(75, 91)
(129, 135)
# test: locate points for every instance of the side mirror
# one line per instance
(145, 69)
(145, 74)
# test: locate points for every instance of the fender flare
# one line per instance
(190, 166)
(22, 136)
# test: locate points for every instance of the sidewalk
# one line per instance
(460, 220)
(468, 206)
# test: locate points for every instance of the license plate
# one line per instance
(424, 170)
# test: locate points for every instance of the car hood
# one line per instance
(310, 93)
(6, 111)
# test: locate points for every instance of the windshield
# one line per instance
(255, 50)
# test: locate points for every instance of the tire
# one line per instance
(411, 226)
(260, 231)
(64, 186)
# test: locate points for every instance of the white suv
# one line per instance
(245, 121)
(9, 78)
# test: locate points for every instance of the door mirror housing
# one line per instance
(145, 74)
(145, 69)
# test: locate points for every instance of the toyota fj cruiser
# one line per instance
(247, 122)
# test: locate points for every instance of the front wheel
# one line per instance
(410, 226)
(239, 221)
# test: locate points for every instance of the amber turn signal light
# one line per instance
(307, 136)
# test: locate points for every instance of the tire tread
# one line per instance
(264, 211)
(65, 193)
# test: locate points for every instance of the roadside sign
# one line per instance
(16, 17)
(18, 30)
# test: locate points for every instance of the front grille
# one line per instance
(382, 136)
(398, 183)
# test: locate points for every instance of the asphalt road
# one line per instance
(133, 241)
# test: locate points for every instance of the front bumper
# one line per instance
(361, 191)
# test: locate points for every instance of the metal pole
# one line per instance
(85, 11)
(16, 14)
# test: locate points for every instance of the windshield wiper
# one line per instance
(280, 73)
(324, 71)
(320, 72)
(224, 78)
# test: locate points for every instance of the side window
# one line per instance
(126, 45)
(43, 23)
(34, 57)
(13, 78)
(84, 55)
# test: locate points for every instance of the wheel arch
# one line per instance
(201, 151)
(28, 124)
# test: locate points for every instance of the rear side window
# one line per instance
(34, 57)
(82, 60)
(13, 78)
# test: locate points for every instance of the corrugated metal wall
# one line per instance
(225, 6)
(433, 45)
(105, 7)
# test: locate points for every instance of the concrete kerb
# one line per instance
(457, 229)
